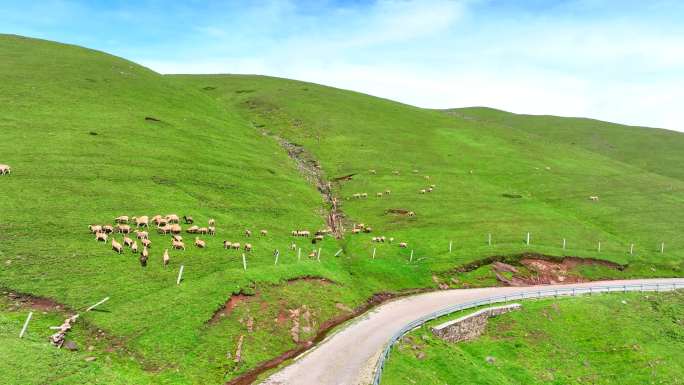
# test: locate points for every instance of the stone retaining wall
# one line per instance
(472, 325)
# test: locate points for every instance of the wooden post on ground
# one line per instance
(23, 329)
(338, 252)
(180, 275)
(244, 261)
(98, 304)
(631, 249)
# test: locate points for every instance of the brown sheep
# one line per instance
(178, 245)
(227, 244)
(166, 258)
(263, 233)
(146, 242)
(143, 221)
(101, 237)
(94, 229)
(248, 247)
(200, 243)
(116, 246)
(248, 233)
(144, 255)
(121, 219)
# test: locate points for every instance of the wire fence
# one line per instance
(531, 294)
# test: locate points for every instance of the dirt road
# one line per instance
(349, 356)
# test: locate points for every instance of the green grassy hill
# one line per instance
(608, 339)
(90, 136)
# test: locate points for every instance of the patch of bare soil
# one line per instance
(20, 300)
(546, 271)
(310, 278)
(228, 307)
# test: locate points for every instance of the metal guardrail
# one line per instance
(531, 294)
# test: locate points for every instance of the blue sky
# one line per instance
(616, 60)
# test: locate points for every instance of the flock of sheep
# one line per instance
(5, 169)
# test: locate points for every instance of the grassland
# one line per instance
(607, 339)
(75, 129)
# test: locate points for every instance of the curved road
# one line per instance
(348, 357)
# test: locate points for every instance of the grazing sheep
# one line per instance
(263, 233)
(159, 220)
(176, 228)
(134, 247)
(116, 246)
(395, 172)
(200, 243)
(433, 185)
(108, 229)
(356, 231)
(317, 238)
(422, 191)
(166, 258)
(391, 240)
(164, 229)
(427, 177)
(236, 246)
(367, 229)
(141, 234)
(379, 195)
(293, 246)
(121, 219)
(248, 233)
(127, 241)
(403, 245)
(5, 169)
(146, 242)
(429, 189)
(211, 222)
(177, 237)
(172, 218)
(188, 220)
(144, 255)
(178, 245)
(94, 229)
(356, 196)
(101, 237)
(192, 229)
(387, 192)
(594, 198)
(364, 195)
(143, 221)
(312, 254)
(203, 230)
(212, 230)
(123, 229)
(411, 214)
(227, 244)
(372, 171)
(248, 247)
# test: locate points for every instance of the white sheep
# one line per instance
(121, 219)
(200, 243)
(248, 247)
(116, 246)
(5, 169)
(166, 258)
(227, 244)
(403, 245)
(178, 245)
(143, 221)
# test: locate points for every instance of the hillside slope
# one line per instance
(91, 136)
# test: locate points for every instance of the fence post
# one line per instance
(489, 239)
(244, 261)
(662, 247)
(338, 252)
(180, 275)
(527, 240)
(563, 243)
(299, 254)
(631, 249)
(23, 329)
(374, 253)
(318, 255)
(450, 244)
(599, 246)
(411, 259)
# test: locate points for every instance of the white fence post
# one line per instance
(662, 247)
(23, 329)
(450, 244)
(563, 243)
(374, 253)
(180, 275)
(599, 246)
(631, 249)
(527, 240)
(299, 254)
(244, 261)
(318, 255)
(338, 252)
(489, 239)
(98, 304)
(411, 259)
